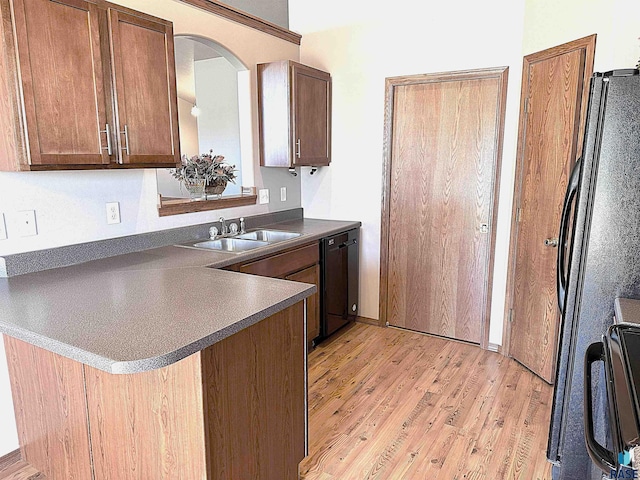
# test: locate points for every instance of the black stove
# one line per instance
(620, 353)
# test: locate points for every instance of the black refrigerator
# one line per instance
(598, 260)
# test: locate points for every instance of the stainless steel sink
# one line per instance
(244, 242)
(270, 236)
(233, 245)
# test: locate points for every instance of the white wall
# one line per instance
(360, 53)
(361, 44)
(274, 11)
(70, 206)
(188, 129)
(8, 433)
(552, 22)
(167, 185)
(218, 124)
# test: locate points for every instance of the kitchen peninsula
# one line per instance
(150, 365)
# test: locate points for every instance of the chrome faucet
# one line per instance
(223, 227)
(242, 228)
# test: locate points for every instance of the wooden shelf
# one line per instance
(176, 206)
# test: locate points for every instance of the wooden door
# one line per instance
(145, 89)
(555, 90)
(443, 141)
(310, 275)
(60, 64)
(311, 116)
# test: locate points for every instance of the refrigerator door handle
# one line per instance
(603, 458)
(561, 274)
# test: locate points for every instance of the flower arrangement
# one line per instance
(204, 174)
(207, 168)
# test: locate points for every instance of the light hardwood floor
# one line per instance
(21, 471)
(390, 404)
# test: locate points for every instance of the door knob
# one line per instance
(551, 242)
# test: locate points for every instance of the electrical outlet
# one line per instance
(3, 228)
(264, 196)
(26, 223)
(113, 213)
(283, 194)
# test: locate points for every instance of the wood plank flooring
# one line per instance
(21, 471)
(390, 404)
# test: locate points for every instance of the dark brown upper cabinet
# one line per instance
(85, 85)
(294, 103)
(145, 89)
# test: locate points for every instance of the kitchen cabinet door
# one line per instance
(310, 275)
(85, 84)
(145, 89)
(61, 70)
(298, 265)
(294, 103)
(311, 123)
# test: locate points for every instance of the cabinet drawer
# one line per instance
(284, 263)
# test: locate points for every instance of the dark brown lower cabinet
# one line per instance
(234, 410)
(301, 264)
(310, 275)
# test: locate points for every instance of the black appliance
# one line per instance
(598, 260)
(339, 281)
(619, 352)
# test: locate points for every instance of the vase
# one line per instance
(216, 187)
(196, 190)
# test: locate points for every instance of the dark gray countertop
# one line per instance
(181, 257)
(145, 310)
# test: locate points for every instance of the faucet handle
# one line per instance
(223, 226)
(233, 228)
(213, 232)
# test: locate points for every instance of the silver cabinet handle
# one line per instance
(551, 242)
(107, 131)
(126, 139)
(298, 148)
(484, 228)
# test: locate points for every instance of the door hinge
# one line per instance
(518, 214)
(526, 105)
(511, 315)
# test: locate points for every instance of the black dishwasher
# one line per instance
(339, 281)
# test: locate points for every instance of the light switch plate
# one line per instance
(264, 195)
(113, 213)
(3, 228)
(283, 194)
(26, 223)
